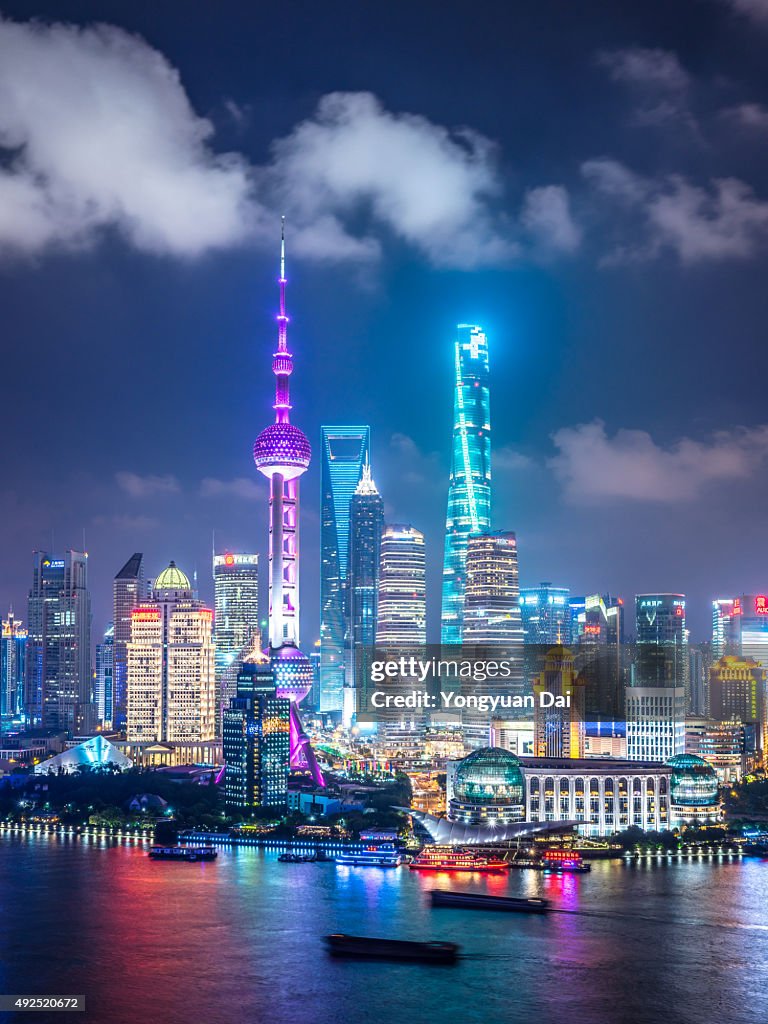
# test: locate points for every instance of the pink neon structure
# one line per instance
(282, 453)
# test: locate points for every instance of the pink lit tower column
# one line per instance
(282, 453)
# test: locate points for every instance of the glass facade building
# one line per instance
(546, 614)
(256, 742)
(104, 689)
(58, 675)
(13, 653)
(492, 595)
(345, 450)
(236, 619)
(128, 590)
(469, 487)
(402, 612)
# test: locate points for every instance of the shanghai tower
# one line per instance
(282, 453)
(469, 488)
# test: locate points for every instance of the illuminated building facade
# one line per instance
(13, 655)
(256, 741)
(730, 747)
(469, 488)
(601, 621)
(655, 722)
(128, 590)
(737, 692)
(722, 611)
(236, 606)
(662, 640)
(58, 674)
(104, 677)
(559, 731)
(746, 629)
(366, 523)
(402, 612)
(282, 454)
(599, 796)
(546, 614)
(171, 681)
(345, 451)
(492, 595)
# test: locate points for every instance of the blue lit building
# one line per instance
(104, 689)
(365, 528)
(256, 742)
(546, 614)
(469, 487)
(13, 652)
(345, 450)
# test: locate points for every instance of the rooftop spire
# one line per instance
(282, 363)
(366, 485)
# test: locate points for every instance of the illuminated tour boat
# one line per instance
(564, 861)
(456, 858)
(378, 850)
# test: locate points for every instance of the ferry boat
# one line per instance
(564, 861)
(392, 949)
(456, 858)
(297, 858)
(484, 901)
(190, 853)
(372, 855)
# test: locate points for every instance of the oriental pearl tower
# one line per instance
(282, 453)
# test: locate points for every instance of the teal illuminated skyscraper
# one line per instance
(344, 452)
(469, 489)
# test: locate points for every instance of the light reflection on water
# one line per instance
(240, 940)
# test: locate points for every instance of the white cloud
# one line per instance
(657, 80)
(755, 9)
(726, 220)
(593, 467)
(146, 486)
(546, 214)
(98, 132)
(748, 115)
(508, 459)
(239, 487)
(428, 185)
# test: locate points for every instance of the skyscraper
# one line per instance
(737, 688)
(282, 453)
(492, 601)
(722, 613)
(559, 731)
(128, 589)
(236, 602)
(469, 487)
(104, 688)
(171, 683)
(655, 722)
(366, 522)
(546, 614)
(402, 612)
(59, 643)
(345, 450)
(13, 653)
(746, 629)
(256, 739)
(662, 640)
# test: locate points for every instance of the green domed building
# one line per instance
(694, 790)
(488, 788)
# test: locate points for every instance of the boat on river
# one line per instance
(485, 901)
(456, 858)
(189, 853)
(364, 947)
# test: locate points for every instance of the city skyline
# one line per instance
(627, 328)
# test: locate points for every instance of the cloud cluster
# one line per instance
(658, 81)
(136, 486)
(240, 487)
(755, 9)
(593, 467)
(724, 221)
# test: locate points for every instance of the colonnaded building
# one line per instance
(493, 788)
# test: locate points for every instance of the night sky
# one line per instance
(588, 181)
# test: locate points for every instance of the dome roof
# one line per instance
(682, 761)
(172, 578)
(694, 781)
(489, 775)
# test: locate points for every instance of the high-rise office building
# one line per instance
(601, 621)
(662, 640)
(469, 487)
(236, 604)
(492, 595)
(345, 450)
(171, 682)
(13, 654)
(402, 613)
(256, 740)
(737, 692)
(722, 611)
(655, 722)
(282, 454)
(546, 614)
(59, 643)
(746, 630)
(559, 731)
(366, 523)
(104, 679)
(128, 590)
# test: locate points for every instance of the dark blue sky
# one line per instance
(605, 219)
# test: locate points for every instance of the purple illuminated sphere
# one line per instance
(293, 672)
(282, 448)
